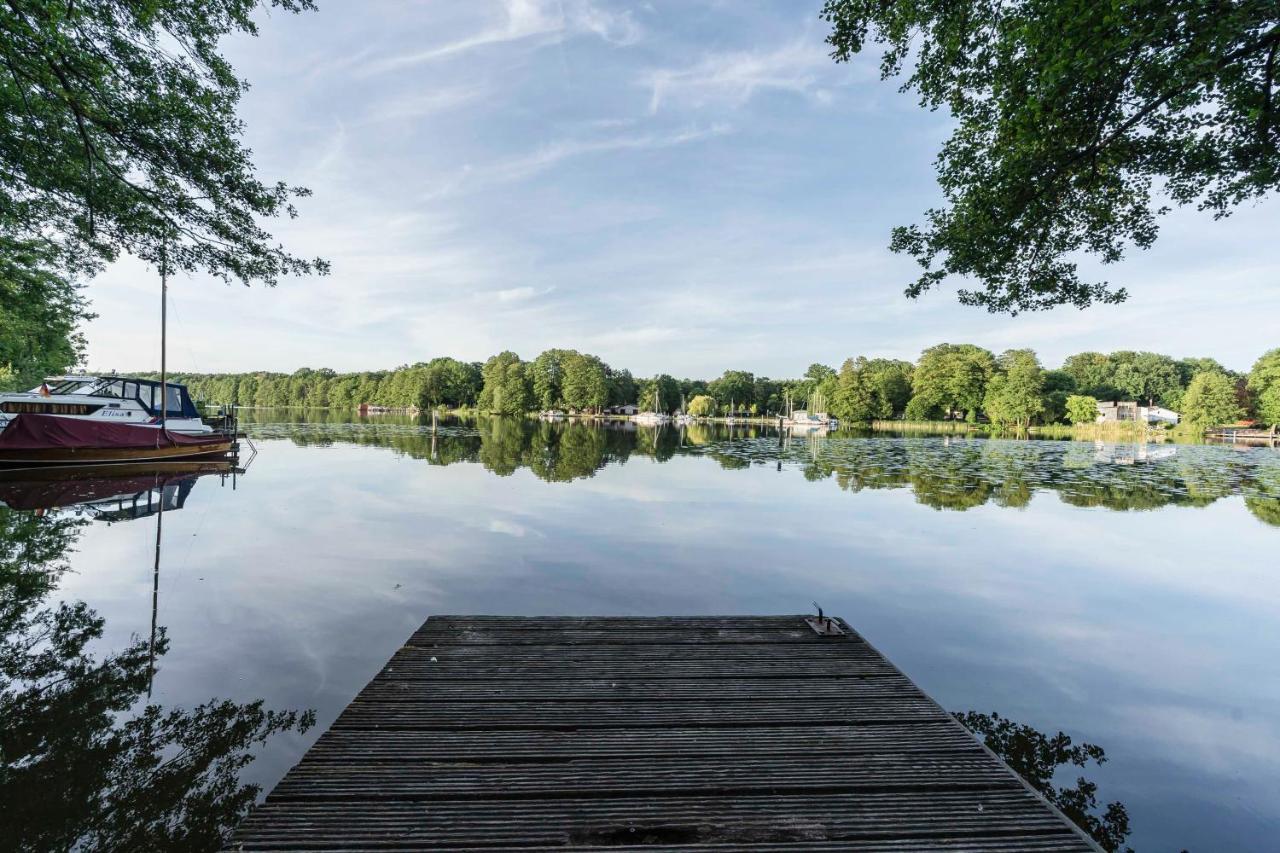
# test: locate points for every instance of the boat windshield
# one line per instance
(147, 392)
(65, 386)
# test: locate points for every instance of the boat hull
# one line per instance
(215, 447)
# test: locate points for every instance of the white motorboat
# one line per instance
(108, 399)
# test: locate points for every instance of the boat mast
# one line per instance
(164, 318)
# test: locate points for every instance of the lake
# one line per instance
(1126, 595)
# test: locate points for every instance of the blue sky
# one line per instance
(677, 186)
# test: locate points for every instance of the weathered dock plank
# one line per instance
(703, 733)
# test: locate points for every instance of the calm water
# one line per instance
(1129, 596)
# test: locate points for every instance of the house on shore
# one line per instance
(628, 409)
(1128, 410)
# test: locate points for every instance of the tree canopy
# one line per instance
(1211, 400)
(40, 311)
(1264, 382)
(1015, 392)
(951, 377)
(1077, 125)
(120, 134)
(1082, 409)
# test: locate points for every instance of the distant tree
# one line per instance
(1082, 409)
(890, 383)
(1092, 374)
(507, 389)
(1211, 400)
(922, 409)
(870, 389)
(1147, 377)
(818, 372)
(1264, 383)
(623, 390)
(767, 394)
(121, 134)
(546, 372)
(661, 393)
(734, 386)
(1015, 393)
(1075, 127)
(1058, 386)
(854, 400)
(586, 383)
(952, 377)
(702, 406)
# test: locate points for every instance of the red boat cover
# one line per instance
(42, 432)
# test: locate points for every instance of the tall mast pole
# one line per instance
(164, 325)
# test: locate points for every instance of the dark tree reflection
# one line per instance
(84, 764)
(1037, 758)
(951, 474)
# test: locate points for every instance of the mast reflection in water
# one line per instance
(86, 761)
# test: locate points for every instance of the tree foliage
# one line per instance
(660, 394)
(120, 134)
(702, 406)
(1015, 392)
(1264, 382)
(1082, 409)
(1211, 400)
(40, 312)
(1068, 116)
(951, 378)
(507, 387)
(871, 389)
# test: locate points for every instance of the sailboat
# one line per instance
(683, 417)
(814, 418)
(89, 420)
(657, 416)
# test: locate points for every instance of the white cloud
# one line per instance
(552, 20)
(516, 294)
(519, 168)
(418, 104)
(734, 78)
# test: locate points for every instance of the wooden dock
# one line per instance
(703, 733)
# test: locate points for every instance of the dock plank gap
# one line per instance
(695, 733)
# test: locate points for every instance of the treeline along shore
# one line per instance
(948, 382)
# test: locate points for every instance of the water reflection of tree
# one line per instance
(80, 767)
(953, 474)
(1036, 757)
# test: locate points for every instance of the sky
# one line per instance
(682, 187)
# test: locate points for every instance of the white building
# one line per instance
(1128, 410)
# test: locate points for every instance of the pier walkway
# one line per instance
(702, 733)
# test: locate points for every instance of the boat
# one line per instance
(803, 419)
(108, 399)
(108, 420)
(657, 416)
(683, 418)
(552, 415)
(32, 440)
